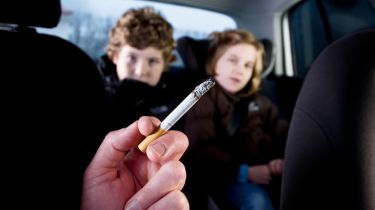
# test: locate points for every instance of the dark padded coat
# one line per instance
(226, 130)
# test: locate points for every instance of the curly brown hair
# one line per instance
(142, 28)
(221, 41)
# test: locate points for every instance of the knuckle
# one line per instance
(180, 201)
(110, 135)
(176, 171)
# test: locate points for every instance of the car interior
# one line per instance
(319, 71)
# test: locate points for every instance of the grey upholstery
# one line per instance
(330, 161)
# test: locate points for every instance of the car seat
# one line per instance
(194, 52)
(54, 105)
(281, 90)
(330, 161)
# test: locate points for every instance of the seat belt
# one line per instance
(238, 114)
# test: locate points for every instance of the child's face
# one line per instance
(144, 65)
(235, 67)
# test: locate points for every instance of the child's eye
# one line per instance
(232, 60)
(249, 65)
(152, 62)
(131, 59)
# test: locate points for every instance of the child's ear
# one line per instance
(173, 58)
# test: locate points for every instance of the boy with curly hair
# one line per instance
(138, 55)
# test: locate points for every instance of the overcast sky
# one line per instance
(179, 17)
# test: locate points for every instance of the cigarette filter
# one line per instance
(178, 112)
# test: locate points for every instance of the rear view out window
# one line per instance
(86, 23)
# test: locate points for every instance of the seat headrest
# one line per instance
(269, 59)
(40, 13)
(194, 54)
(332, 130)
(372, 2)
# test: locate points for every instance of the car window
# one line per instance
(86, 22)
(314, 24)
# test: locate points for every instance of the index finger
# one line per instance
(117, 143)
(170, 146)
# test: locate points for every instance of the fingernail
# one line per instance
(159, 149)
(133, 205)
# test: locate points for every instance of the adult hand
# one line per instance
(276, 167)
(122, 177)
(260, 174)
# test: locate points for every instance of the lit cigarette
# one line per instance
(178, 112)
